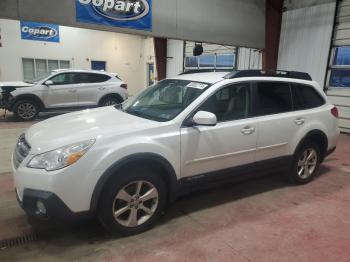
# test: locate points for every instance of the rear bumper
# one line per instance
(55, 207)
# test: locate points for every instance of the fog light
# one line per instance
(41, 207)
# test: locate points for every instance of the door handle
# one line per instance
(72, 90)
(248, 130)
(102, 88)
(299, 121)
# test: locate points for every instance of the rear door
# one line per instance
(93, 87)
(278, 123)
(231, 143)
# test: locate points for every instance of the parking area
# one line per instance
(264, 219)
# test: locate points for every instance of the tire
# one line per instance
(111, 100)
(26, 110)
(306, 163)
(120, 195)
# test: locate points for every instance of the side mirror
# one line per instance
(48, 83)
(204, 118)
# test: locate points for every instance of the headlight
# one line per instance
(61, 157)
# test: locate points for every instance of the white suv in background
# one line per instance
(126, 162)
(64, 89)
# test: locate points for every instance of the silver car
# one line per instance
(64, 89)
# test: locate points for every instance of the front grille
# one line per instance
(21, 151)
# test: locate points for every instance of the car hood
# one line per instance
(17, 84)
(83, 125)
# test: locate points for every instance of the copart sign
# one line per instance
(40, 32)
(135, 14)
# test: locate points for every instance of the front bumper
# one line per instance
(54, 206)
(64, 192)
(6, 101)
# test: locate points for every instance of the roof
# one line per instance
(209, 77)
(269, 73)
(277, 75)
(82, 71)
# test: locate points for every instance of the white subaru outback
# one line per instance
(63, 89)
(124, 163)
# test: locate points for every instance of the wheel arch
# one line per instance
(116, 95)
(35, 98)
(318, 137)
(153, 160)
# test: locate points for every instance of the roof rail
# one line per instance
(269, 73)
(193, 71)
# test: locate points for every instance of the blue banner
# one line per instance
(40, 32)
(135, 14)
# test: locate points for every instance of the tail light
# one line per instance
(335, 112)
(125, 86)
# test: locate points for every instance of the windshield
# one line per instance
(40, 78)
(164, 100)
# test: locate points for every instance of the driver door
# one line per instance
(232, 142)
(63, 91)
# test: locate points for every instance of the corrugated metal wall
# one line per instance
(175, 58)
(249, 58)
(341, 96)
(305, 40)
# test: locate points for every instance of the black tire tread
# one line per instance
(292, 174)
(121, 179)
(26, 101)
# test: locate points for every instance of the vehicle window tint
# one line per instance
(305, 97)
(273, 97)
(81, 78)
(229, 103)
(63, 79)
(97, 78)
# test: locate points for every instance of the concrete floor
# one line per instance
(264, 219)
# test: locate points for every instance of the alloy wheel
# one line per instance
(307, 163)
(135, 203)
(110, 102)
(26, 110)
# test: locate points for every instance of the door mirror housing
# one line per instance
(48, 83)
(204, 118)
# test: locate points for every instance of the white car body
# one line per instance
(190, 151)
(73, 95)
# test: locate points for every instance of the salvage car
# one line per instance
(62, 90)
(125, 163)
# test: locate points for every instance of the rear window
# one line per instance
(273, 97)
(98, 78)
(305, 97)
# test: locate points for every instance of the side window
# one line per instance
(305, 97)
(230, 103)
(62, 79)
(273, 97)
(80, 78)
(98, 78)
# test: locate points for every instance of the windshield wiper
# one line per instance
(135, 113)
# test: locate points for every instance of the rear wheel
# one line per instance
(26, 110)
(111, 100)
(305, 164)
(131, 203)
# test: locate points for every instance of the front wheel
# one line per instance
(26, 110)
(306, 163)
(131, 203)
